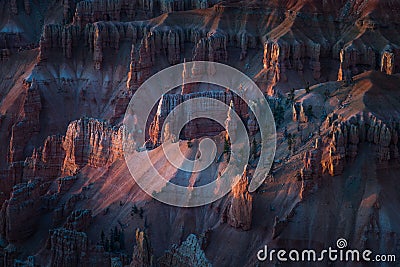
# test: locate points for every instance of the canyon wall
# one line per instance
(349, 135)
(194, 128)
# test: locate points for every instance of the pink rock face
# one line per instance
(358, 56)
(60, 171)
(90, 142)
(280, 55)
(141, 63)
(239, 212)
(195, 128)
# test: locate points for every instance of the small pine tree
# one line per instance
(308, 89)
(135, 209)
(309, 111)
(107, 245)
(327, 94)
(102, 236)
(291, 96)
(290, 141)
(254, 148)
(141, 213)
(122, 240)
(116, 234)
(227, 147)
(279, 115)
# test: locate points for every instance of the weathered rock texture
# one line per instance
(90, 142)
(363, 128)
(68, 247)
(194, 128)
(189, 253)
(46, 162)
(79, 220)
(142, 251)
(19, 213)
(312, 170)
(54, 37)
(239, 212)
(29, 125)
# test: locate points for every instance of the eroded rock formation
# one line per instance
(195, 128)
(23, 130)
(239, 212)
(68, 247)
(363, 128)
(79, 220)
(312, 170)
(92, 142)
(189, 253)
(142, 251)
(19, 213)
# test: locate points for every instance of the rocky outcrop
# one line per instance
(103, 10)
(142, 251)
(90, 142)
(312, 170)
(189, 253)
(363, 128)
(299, 112)
(211, 48)
(46, 162)
(19, 213)
(239, 212)
(4, 54)
(280, 55)
(358, 56)
(23, 130)
(79, 220)
(27, 6)
(141, 63)
(65, 183)
(196, 128)
(13, 7)
(58, 37)
(168, 6)
(390, 62)
(68, 247)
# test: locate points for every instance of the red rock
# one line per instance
(46, 162)
(90, 142)
(196, 128)
(239, 212)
